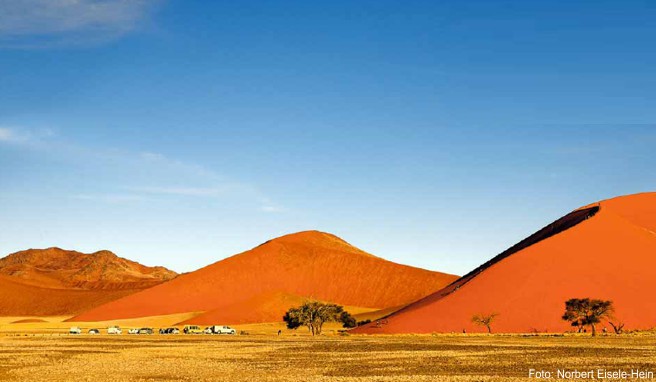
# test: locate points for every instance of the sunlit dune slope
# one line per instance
(606, 250)
(308, 264)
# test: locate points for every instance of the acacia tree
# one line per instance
(294, 318)
(617, 327)
(347, 320)
(314, 314)
(485, 320)
(581, 312)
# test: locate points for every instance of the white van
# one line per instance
(114, 330)
(75, 330)
(217, 329)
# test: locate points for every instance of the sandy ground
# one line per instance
(55, 325)
(267, 357)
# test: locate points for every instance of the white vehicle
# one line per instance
(75, 330)
(217, 329)
(133, 331)
(114, 330)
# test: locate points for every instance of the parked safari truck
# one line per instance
(192, 329)
(114, 330)
(75, 330)
(217, 329)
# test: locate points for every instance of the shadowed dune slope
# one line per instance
(308, 264)
(17, 299)
(267, 307)
(606, 250)
(53, 281)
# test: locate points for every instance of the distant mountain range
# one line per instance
(54, 281)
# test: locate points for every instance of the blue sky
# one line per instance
(435, 134)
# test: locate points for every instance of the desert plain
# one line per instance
(39, 352)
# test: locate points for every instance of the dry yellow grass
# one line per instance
(60, 357)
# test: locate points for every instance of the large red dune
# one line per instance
(54, 281)
(606, 250)
(307, 264)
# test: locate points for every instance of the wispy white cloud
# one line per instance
(217, 191)
(6, 135)
(183, 191)
(111, 198)
(15, 135)
(36, 23)
(268, 206)
(161, 176)
(272, 209)
(152, 156)
(164, 161)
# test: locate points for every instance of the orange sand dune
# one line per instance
(267, 307)
(29, 321)
(308, 264)
(606, 250)
(58, 282)
(17, 299)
